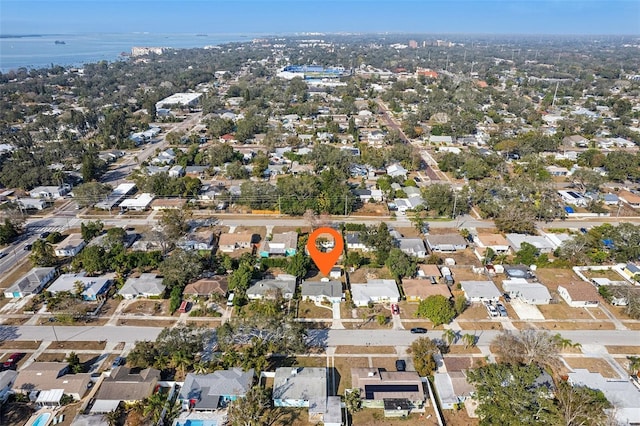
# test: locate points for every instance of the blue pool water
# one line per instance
(191, 422)
(42, 419)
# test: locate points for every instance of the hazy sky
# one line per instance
(266, 16)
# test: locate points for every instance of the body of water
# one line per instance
(78, 49)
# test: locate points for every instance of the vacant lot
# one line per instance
(365, 350)
(607, 273)
(96, 346)
(553, 277)
(623, 349)
(361, 275)
(148, 307)
(20, 344)
(480, 325)
(595, 365)
(475, 311)
(562, 311)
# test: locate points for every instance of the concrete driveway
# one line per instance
(526, 311)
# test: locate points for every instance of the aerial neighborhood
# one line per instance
(156, 216)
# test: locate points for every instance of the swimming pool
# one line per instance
(194, 422)
(42, 419)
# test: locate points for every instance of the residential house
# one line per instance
(610, 199)
(374, 291)
(321, 291)
(446, 243)
(541, 243)
(353, 241)
(167, 156)
(33, 203)
(200, 240)
(146, 285)
(621, 393)
(480, 291)
(531, 293)
(377, 385)
(283, 244)
(417, 290)
(168, 204)
(207, 287)
(140, 202)
(284, 285)
(306, 387)
(366, 195)
(50, 192)
(30, 283)
(7, 378)
(413, 247)
(452, 388)
(631, 270)
(93, 288)
(496, 242)
(575, 141)
(632, 199)
(557, 171)
(574, 198)
(229, 243)
(70, 246)
(176, 171)
(52, 380)
(396, 170)
(428, 272)
(579, 294)
(125, 385)
(209, 392)
(440, 140)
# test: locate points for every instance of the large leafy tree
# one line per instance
(508, 395)
(437, 308)
(400, 264)
(423, 351)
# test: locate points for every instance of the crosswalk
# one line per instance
(40, 229)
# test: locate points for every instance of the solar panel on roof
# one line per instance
(370, 390)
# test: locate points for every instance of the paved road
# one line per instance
(320, 337)
(77, 333)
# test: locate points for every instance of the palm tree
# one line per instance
(634, 365)
(201, 367)
(450, 336)
(42, 253)
(181, 361)
(564, 343)
(153, 406)
(469, 340)
(113, 417)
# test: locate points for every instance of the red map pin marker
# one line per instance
(325, 261)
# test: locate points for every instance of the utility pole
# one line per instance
(345, 203)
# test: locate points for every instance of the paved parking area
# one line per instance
(526, 311)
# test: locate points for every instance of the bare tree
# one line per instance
(581, 406)
(251, 410)
(530, 347)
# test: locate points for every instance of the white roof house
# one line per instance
(413, 247)
(297, 386)
(622, 394)
(479, 291)
(543, 244)
(70, 246)
(92, 287)
(182, 99)
(146, 285)
(396, 170)
(532, 293)
(374, 291)
(139, 203)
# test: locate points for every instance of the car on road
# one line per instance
(507, 298)
(395, 309)
(12, 360)
(2, 254)
(401, 365)
(45, 234)
(501, 310)
(583, 230)
(418, 330)
(417, 179)
(28, 247)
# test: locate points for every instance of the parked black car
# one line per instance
(401, 365)
(418, 330)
